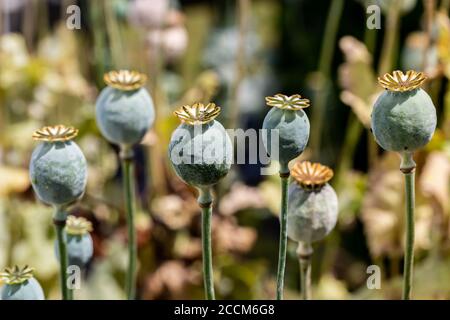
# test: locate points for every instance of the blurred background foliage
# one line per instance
(234, 53)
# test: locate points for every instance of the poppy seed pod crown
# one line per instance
(311, 176)
(16, 275)
(20, 284)
(78, 226)
(313, 204)
(124, 109)
(80, 247)
(292, 125)
(403, 117)
(200, 148)
(58, 169)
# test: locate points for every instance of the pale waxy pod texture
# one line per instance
(201, 154)
(28, 290)
(403, 121)
(312, 214)
(124, 116)
(58, 172)
(80, 249)
(293, 131)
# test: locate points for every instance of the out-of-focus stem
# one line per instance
(156, 62)
(352, 135)
(126, 157)
(326, 58)
(304, 253)
(284, 175)
(205, 202)
(243, 12)
(370, 39)
(43, 20)
(96, 19)
(429, 6)
(390, 36)
(408, 167)
(112, 28)
(445, 6)
(28, 23)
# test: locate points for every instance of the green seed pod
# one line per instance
(292, 124)
(403, 117)
(80, 247)
(20, 285)
(200, 149)
(58, 169)
(313, 204)
(124, 110)
(416, 54)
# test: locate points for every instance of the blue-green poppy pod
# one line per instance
(58, 168)
(200, 149)
(124, 109)
(313, 203)
(20, 284)
(403, 117)
(79, 242)
(292, 125)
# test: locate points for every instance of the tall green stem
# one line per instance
(445, 5)
(59, 221)
(408, 168)
(390, 36)
(429, 6)
(126, 157)
(325, 62)
(304, 253)
(284, 175)
(243, 13)
(352, 135)
(205, 202)
(113, 32)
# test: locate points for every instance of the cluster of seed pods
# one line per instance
(403, 120)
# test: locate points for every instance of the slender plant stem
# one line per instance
(304, 253)
(325, 61)
(409, 248)
(445, 5)
(352, 135)
(429, 6)
(408, 168)
(283, 233)
(155, 66)
(113, 32)
(59, 221)
(370, 40)
(205, 202)
(243, 13)
(126, 157)
(390, 36)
